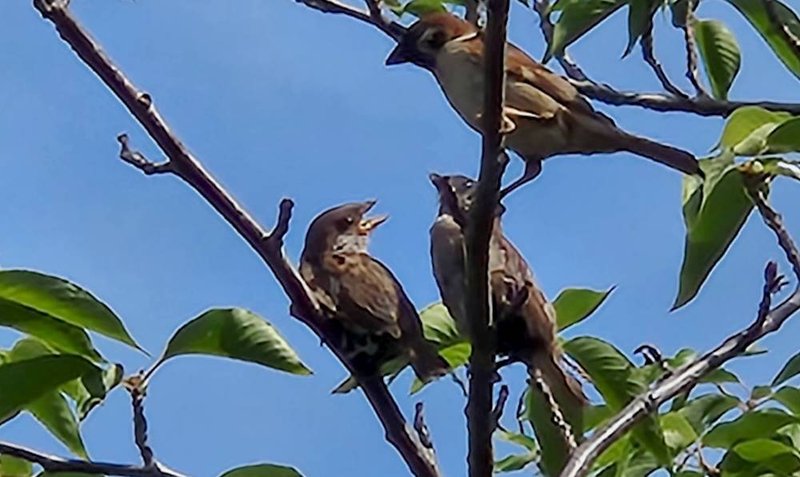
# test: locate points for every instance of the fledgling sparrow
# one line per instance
(379, 321)
(523, 318)
(544, 115)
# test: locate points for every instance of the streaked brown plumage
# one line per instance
(544, 114)
(379, 321)
(524, 319)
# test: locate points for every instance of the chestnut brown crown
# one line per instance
(426, 37)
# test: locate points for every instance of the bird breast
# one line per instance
(461, 78)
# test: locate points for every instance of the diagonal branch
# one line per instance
(269, 246)
(685, 378)
(692, 73)
(52, 463)
(480, 423)
(394, 30)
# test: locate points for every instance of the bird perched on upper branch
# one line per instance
(523, 318)
(379, 321)
(544, 115)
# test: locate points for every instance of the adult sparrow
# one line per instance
(543, 116)
(523, 318)
(378, 320)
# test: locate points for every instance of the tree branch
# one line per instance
(268, 246)
(692, 73)
(542, 8)
(649, 56)
(493, 162)
(393, 29)
(52, 463)
(685, 378)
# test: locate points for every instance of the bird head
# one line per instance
(426, 37)
(456, 194)
(341, 229)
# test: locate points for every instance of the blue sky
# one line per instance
(281, 101)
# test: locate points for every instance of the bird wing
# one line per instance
(447, 258)
(369, 293)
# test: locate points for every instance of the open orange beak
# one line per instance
(367, 225)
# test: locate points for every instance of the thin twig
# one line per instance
(649, 56)
(268, 246)
(692, 72)
(53, 463)
(394, 30)
(686, 377)
(788, 34)
(500, 406)
(542, 8)
(480, 424)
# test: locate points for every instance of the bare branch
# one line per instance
(421, 427)
(52, 463)
(788, 35)
(686, 377)
(692, 73)
(649, 56)
(394, 30)
(493, 162)
(500, 405)
(268, 246)
(139, 421)
(542, 8)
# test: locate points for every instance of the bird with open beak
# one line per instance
(378, 320)
(523, 318)
(544, 114)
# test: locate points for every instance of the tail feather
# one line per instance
(566, 390)
(427, 363)
(662, 153)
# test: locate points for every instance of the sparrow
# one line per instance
(377, 320)
(523, 318)
(544, 114)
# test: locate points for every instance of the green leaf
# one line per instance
(790, 397)
(514, 462)
(14, 467)
(456, 355)
(60, 335)
(640, 17)
(578, 17)
(237, 334)
(438, 326)
(720, 53)
(720, 376)
(594, 416)
(63, 300)
(747, 129)
(751, 425)
(703, 411)
(516, 438)
(785, 137)
(714, 217)
(421, 7)
(789, 370)
(678, 432)
(66, 474)
(760, 392)
(617, 381)
(756, 14)
(574, 305)
(22, 382)
(54, 413)
(760, 450)
(262, 470)
(88, 391)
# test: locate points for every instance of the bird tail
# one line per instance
(667, 155)
(565, 388)
(426, 362)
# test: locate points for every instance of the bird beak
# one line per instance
(367, 225)
(401, 54)
(438, 181)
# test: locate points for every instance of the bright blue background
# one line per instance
(278, 100)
